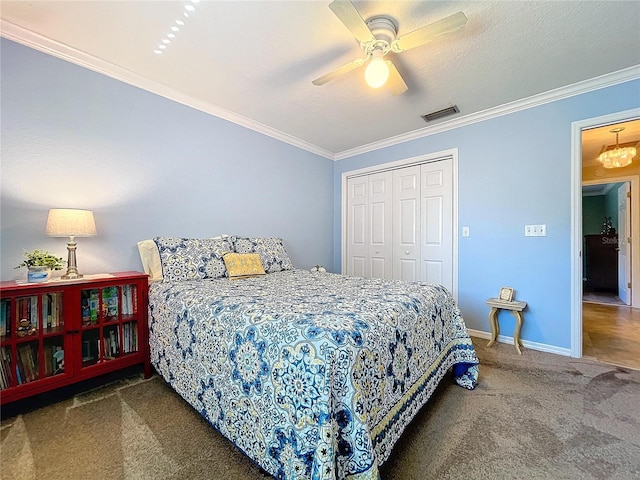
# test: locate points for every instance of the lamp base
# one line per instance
(71, 276)
(72, 267)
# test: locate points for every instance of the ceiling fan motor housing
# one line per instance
(384, 29)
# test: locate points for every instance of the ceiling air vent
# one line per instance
(428, 117)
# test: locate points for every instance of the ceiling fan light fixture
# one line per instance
(618, 156)
(377, 72)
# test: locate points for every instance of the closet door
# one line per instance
(436, 216)
(406, 224)
(380, 225)
(358, 227)
(400, 224)
(369, 239)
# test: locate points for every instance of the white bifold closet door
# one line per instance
(400, 224)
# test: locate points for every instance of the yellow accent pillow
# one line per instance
(243, 265)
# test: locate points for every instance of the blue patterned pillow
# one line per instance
(192, 258)
(272, 253)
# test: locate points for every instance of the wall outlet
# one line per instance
(535, 230)
(465, 231)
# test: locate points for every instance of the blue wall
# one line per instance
(513, 170)
(147, 166)
(593, 213)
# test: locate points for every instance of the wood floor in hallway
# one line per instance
(611, 334)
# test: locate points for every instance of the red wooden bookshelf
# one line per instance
(61, 332)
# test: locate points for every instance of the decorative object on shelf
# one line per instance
(506, 294)
(25, 328)
(39, 264)
(318, 268)
(607, 227)
(617, 156)
(67, 222)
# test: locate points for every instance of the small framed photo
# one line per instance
(506, 294)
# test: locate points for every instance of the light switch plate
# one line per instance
(535, 230)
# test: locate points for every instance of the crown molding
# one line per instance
(60, 50)
(603, 81)
(46, 45)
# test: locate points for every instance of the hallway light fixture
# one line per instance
(617, 157)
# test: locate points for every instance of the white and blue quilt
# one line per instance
(311, 375)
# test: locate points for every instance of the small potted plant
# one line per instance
(39, 264)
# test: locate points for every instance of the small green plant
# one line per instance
(41, 258)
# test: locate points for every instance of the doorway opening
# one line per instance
(600, 324)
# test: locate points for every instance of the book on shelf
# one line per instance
(110, 344)
(90, 303)
(51, 307)
(5, 370)
(130, 337)
(53, 359)
(5, 316)
(127, 301)
(89, 351)
(47, 357)
(27, 364)
(28, 309)
(110, 303)
(94, 303)
(58, 359)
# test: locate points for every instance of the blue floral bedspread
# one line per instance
(312, 375)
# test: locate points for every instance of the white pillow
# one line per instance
(150, 260)
(150, 257)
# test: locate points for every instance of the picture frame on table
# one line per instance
(506, 294)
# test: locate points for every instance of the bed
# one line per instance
(310, 374)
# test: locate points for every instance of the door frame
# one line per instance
(576, 221)
(426, 158)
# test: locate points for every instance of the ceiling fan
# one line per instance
(377, 37)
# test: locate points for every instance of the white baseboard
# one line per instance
(542, 347)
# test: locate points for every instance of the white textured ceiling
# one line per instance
(253, 62)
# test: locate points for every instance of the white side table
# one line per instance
(516, 309)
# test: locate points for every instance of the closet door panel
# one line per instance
(433, 213)
(436, 219)
(357, 266)
(406, 223)
(433, 272)
(380, 235)
(358, 227)
(409, 270)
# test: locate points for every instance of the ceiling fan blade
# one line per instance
(348, 15)
(395, 83)
(429, 32)
(347, 67)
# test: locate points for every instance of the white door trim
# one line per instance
(576, 221)
(430, 157)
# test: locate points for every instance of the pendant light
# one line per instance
(619, 156)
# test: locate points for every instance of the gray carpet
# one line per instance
(535, 416)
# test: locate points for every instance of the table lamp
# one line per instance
(67, 222)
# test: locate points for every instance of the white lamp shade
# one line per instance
(68, 222)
